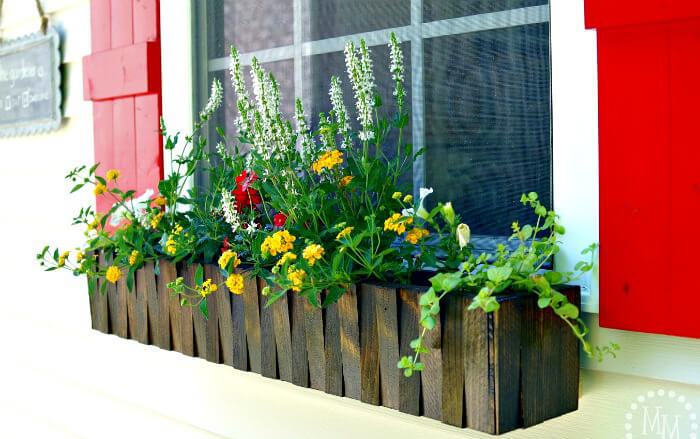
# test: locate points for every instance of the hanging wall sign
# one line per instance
(30, 84)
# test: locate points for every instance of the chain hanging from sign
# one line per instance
(30, 81)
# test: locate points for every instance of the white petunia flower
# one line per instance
(423, 193)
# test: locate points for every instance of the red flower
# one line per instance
(226, 245)
(279, 219)
(245, 195)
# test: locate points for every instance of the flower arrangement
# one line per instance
(312, 211)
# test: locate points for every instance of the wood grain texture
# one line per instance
(268, 346)
(137, 305)
(300, 361)
(334, 361)
(369, 346)
(118, 306)
(431, 377)
(223, 308)
(505, 354)
(388, 335)
(409, 329)
(240, 347)
(168, 273)
(452, 361)
(251, 307)
(198, 322)
(283, 337)
(185, 312)
(100, 302)
(150, 288)
(212, 323)
(110, 293)
(315, 343)
(163, 303)
(350, 342)
(479, 386)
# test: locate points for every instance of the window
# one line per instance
(478, 82)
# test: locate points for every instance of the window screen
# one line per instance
(478, 83)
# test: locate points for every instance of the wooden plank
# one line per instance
(185, 312)
(101, 322)
(315, 345)
(334, 362)
(226, 333)
(118, 306)
(138, 308)
(506, 364)
(251, 307)
(168, 273)
(111, 294)
(240, 348)
(300, 361)
(103, 130)
(122, 23)
(100, 19)
(369, 346)
(268, 347)
(350, 342)
(150, 290)
(479, 386)
(146, 20)
(163, 303)
(212, 323)
(124, 142)
(135, 64)
(388, 334)
(431, 377)
(198, 322)
(409, 329)
(452, 361)
(149, 141)
(283, 337)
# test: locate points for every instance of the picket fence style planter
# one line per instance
(489, 372)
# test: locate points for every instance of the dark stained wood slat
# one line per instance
(300, 361)
(315, 345)
(268, 347)
(151, 290)
(212, 323)
(240, 347)
(163, 323)
(350, 342)
(168, 273)
(334, 361)
(198, 322)
(388, 333)
(251, 307)
(369, 346)
(479, 386)
(431, 377)
(101, 306)
(226, 334)
(137, 305)
(409, 329)
(112, 305)
(283, 337)
(506, 364)
(452, 361)
(185, 312)
(118, 306)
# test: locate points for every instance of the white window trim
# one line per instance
(574, 99)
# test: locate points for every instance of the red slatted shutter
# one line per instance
(122, 77)
(649, 89)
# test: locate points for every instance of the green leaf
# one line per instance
(428, 322)
(204, 309)
(199, 276)
(499, 274)
(568, 311)
(543, 302)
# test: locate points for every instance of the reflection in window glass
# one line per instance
(334, 18)
(441, 9)
(488, 129)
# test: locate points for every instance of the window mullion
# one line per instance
(417, 97)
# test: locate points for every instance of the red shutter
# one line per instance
(649, 89)
(122, 78)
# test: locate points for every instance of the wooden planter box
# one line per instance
(489, 372)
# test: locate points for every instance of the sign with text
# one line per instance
(30, 84)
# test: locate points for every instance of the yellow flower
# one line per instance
(226, 257)
(94, 223)
(79, 256)
(99, 189)
(160, 201)
(278, 242)
(397, 223)
(328, 160)
(112, 175)
(396, 195)
(113, 274)
(346, 180)
(62, 258)
(207, 288)
(133, 257)
(287, 257)
(296, 277)
(312, 253)
(408, 198)
(416, 234)
(156, 220)
(235, 283)
(345, 232)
